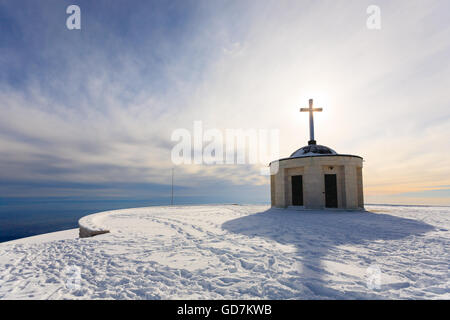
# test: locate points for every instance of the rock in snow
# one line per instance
(237, 252)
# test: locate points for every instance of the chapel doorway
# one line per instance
(330, 191)
(297, 190)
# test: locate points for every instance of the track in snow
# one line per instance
(239, 252)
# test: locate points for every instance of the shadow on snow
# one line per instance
(316, 233)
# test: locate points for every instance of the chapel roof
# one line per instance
(313, 150)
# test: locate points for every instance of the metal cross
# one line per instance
(311, 120)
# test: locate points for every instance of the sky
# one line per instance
(90, 113)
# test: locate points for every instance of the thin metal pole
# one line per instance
(171, 201)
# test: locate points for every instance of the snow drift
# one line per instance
(238, 252)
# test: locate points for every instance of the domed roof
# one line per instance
(312, 150)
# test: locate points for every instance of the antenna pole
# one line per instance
(171, 200)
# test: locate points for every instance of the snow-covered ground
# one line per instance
(237, 252)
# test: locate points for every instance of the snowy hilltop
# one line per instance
(236, 252)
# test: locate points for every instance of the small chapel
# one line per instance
(317, 177)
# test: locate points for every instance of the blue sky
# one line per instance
(89, 113)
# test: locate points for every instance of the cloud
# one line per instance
(100, 105)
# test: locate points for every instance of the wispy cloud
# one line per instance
(98, 106)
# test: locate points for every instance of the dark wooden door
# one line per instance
(297, 190)
(330, 191)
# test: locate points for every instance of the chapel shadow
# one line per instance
(316, 233)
